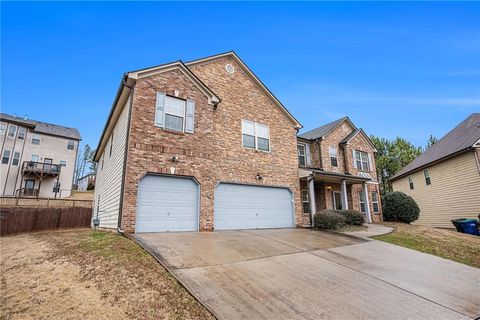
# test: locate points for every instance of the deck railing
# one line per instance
(41, 167)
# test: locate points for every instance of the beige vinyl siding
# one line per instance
(454, 192)
(108, 183)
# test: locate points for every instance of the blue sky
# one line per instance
(397, 69)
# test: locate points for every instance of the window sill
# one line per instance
(257, 150)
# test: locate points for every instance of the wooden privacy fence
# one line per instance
(29, 217)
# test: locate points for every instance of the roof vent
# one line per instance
(230, 69)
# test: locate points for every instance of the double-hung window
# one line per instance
(426, 173)
(174, 114)
(410, 183)
(35, 158)
(361, 160)
(6, 156)
(12, 130)
(71, 145)
(375, 205)
(255, 135)
(302, 155)
(21, 133)
(16, 159)
(305, 201)
(332, 151)
(3, 128)
(361, 199)
(63, 163)
(36, 139)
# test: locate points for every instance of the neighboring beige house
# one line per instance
(337, 170)
(37, 158)
(445, 179)
(202, 145)
(85, 181)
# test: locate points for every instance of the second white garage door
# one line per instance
(167, 204)
(240, 206)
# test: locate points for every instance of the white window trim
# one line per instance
(33, 155)
(360, 202)
(256, 136)
(426, 175)
(377, 202)
(304, 153)
(410, 182)
(359, 153)
(305, 201)
(36, 137)
(330, 148)
(184, 116)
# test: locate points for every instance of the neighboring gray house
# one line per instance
(37, 158)
(85, 181)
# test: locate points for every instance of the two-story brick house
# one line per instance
(202, 145)
(337, 170)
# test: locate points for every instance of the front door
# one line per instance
(337, 200)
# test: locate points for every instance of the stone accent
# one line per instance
(214, 152)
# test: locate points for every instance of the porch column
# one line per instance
(343, 188)
(367, 202)
(311, 198)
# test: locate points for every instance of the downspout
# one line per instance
(319, 145)
(125, 158)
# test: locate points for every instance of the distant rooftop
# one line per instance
(460, 138)
(322, 131)
(43, 127)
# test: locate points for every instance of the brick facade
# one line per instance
(214, 152)
(320, 158)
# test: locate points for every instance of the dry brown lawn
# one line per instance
(87, 275)
(448, 244)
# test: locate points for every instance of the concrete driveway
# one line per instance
(305, 274)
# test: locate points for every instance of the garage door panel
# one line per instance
(252, 207)
(167, 204)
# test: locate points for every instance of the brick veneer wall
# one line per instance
(214, 153)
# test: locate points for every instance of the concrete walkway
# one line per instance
(371, 231)
(306, 274)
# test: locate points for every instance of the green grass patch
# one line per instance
(111, 246)
(447, 244)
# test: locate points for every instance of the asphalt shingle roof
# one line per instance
(459, 138)
(44, 127)
(321, 131)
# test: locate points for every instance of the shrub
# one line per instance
(328, 219)
(397, 206)
(353, 217)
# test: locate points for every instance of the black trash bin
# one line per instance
(457, 225)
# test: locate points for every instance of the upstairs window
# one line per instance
(36, 139)
(35, 158)
(174, 114)
(21, 133)
(71, 145)
(332, 151)
(426, 173)
(255, 135)
(302, 155)
(361, 161)
(3, 128)
(6, 157)
(12, 130)
(410, 183)
(111, 145)
(375, 205)
(63, 163)
(16, 159)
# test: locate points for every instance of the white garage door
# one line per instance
(167, 204)
(252, 207)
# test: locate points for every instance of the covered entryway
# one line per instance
(239, 206)
(167, 203)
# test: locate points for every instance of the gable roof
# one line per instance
(354, 133)
(324, 130)
(43, 127)
(129, 79)
(254, 77)
(458, 140)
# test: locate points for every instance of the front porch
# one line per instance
(322, 190)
